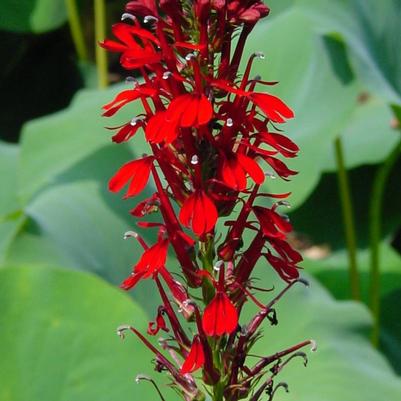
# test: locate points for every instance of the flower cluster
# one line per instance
(213, 141)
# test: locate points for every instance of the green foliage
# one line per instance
(32, 15)
(58, 339)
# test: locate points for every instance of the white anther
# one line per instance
(194, 160)
(284, 203)
(218, 265)
(190, 56)
(229, 122)
(150, 18)
(271, 175)
(135, 120)
(140, 377)
(313, 344)
(259, 55)
(128, 16)
(130, 234)
(167, 74)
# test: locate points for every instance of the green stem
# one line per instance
(100, 34)
(76, 30)
(348, 219)
(375, 214)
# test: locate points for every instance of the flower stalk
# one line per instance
(348, 219)
(210, 129)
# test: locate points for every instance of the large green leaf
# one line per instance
(315, 81)
(371, 30)
(32, 15)
(58, 339)
(368, 138)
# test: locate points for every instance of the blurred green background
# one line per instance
(61, 248)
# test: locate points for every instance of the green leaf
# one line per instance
(32, 15)
(67, 138)
(8, 173)
(58, 339)
(371, 30)
(368, 138)
(312, 81)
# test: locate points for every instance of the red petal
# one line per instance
(220, 316)
(113, 46)
(189, 117)
(252, 168)
(205, 111)
(195, 358)
(274, 108)
(137, 171)
(131, 281)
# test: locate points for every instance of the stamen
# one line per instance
(313, 344)
(284, 203)
(229, 122)
(194, 160)
(167, 74)
(131, 234)
(257, 78)
(135, 120)
(121, 330)
(128, 16)
(259, 55)
(271, 175)
(218, 265)
(140, 377)
(150, 18)
(129, 80)
(190, 56)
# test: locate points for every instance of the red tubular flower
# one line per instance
(235, 169)
(152, 260)
(136, 171)
(220, 316)
(199, 211)
(124, 98)
(126, 131)
(272, 224)
(159, 324)
(286, 270)
(134, 54)
(161, 129)
(190, 110)
(275, 109)
(195, 358)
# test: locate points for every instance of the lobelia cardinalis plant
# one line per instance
(209, 131)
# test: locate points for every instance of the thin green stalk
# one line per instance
(76, 30)
(100, 34)
(348, 219)
(376, 205)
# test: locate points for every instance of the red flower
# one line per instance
(274, 108)
(151, 261)
(124, 98)
(235, 169)
(190, 110)
(136, 171)
(137, 46)
(220, 316)
(126, 131)
(272, 224)
(199, 212)
(286, 269)
(147, 206)
(195, 358)
(159, 324)
(161, 129)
